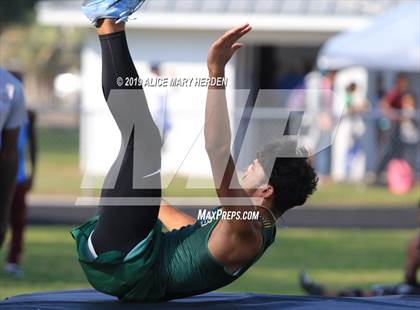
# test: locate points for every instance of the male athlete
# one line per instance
(123, 250)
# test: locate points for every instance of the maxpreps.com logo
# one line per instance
(205, 217)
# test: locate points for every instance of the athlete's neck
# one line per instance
(268, 214)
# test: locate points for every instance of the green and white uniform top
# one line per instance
(164, 266)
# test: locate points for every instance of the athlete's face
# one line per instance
(255, 182)
(253, 177)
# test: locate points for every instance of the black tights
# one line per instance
(121, 227)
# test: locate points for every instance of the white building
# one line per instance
(177, 34)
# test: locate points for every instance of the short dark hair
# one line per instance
(290, 174)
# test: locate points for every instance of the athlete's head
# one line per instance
(282, 175)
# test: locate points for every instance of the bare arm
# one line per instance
(233, 242)
(33, 147)
(173, 218)
(217, 129)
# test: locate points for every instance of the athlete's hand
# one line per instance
(223, 49)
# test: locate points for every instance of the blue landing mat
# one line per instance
(92, 300)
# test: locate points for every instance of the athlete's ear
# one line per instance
(265, 191)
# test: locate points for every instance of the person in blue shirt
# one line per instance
(24, 181)
(12, 117)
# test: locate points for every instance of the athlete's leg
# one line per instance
(121, 227)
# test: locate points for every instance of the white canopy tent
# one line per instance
(390, 42)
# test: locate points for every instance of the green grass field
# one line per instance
(339, 258)
(58, 170)
(59, 175)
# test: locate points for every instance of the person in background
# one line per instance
(325, 124)
(24, 181)
(348, 156)
(391, 105)
(410, 286)
(157, 98)
(409, 129)
(12, 117)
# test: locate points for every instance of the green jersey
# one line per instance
(164, 266)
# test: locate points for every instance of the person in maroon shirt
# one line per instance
(391, 105)
(393, 99)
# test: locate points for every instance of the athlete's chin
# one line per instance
(249, 190)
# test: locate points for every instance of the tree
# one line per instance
(41, 52)
(16, 12)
